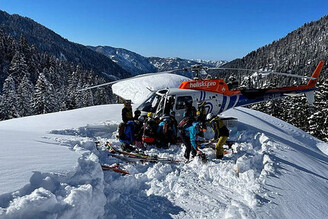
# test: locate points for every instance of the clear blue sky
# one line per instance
(205, 29)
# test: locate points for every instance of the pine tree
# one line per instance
(18, 67)
(71, 91)
(8, 105)
(44, 100)
(25, 92)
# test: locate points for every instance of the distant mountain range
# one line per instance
(105, 61)
(48, 41)
(137, 64)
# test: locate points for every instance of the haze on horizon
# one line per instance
(192, 29)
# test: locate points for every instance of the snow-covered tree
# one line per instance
(18, 67)
(44, 100)
(25, 92)
(8, 105)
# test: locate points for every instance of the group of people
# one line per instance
(193, 126)
(142, 130)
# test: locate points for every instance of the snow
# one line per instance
(139, 88)
(50, 168)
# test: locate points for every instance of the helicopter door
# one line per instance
(165, 105)
(150, 104)
(220, 102)
(214, 103)
(161, 105)
(179, 106)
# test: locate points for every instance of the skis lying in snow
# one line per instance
(212, 145)
(135, 157)
(115, 168)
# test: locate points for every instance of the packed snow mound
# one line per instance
(272, 167)
(44, 175)
(137, 89)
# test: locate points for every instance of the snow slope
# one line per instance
(51, 168)
(39, 168)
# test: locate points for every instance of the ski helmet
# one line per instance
(209, 116)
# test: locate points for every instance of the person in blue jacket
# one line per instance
(189, 135)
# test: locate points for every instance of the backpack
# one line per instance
(150, 128)
(121, 130)
(126, 131)
(187, 121)
(167, 127)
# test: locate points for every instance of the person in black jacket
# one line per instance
(127, 111)
(149, 130)
(137, 113)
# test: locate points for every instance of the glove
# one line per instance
(199, 152)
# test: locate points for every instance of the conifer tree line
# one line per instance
(34, 82)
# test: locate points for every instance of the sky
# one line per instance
(205, 29)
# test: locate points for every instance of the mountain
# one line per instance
(211, 63)
(128, 60)
(166, 64)
(138, 64)
(299, 52)
(48, 41)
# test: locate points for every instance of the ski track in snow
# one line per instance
(235, 187)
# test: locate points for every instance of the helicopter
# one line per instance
(219, 98)
(217, 95)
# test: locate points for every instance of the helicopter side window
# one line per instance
(150, 104)
(181, 100)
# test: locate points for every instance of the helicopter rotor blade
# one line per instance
(285, 74)
(265, 72)
(97, 86)
(137, 76)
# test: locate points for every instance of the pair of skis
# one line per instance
(135, 157)
(115, 168)
(212, 144)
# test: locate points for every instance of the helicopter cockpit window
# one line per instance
(150, 104)
(181, 100)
